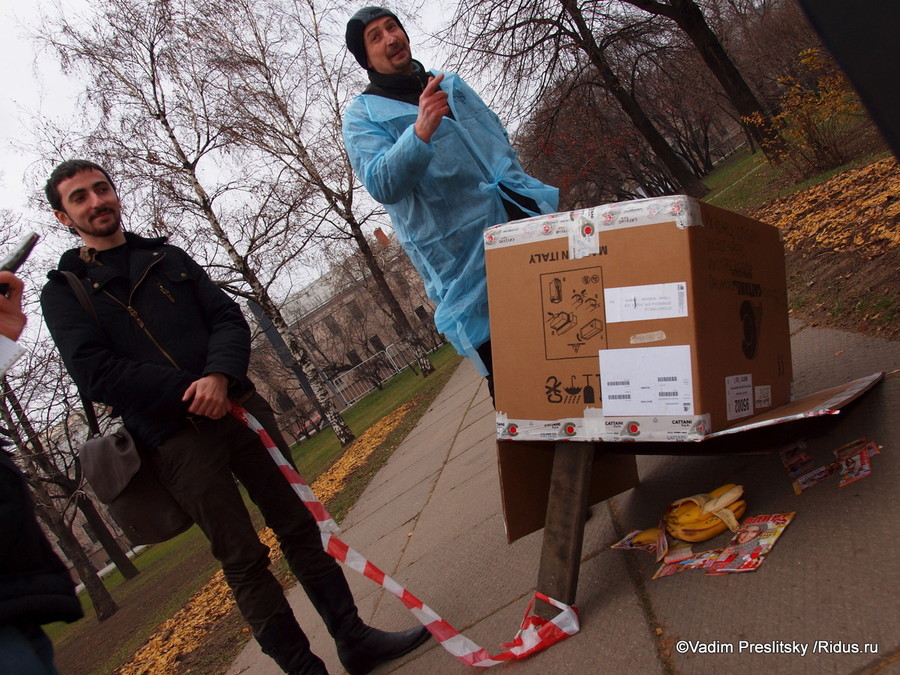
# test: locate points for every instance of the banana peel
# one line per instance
(646, 537)
(710, 527)
(696, 518)
(701, 517)
(652, 539)
(691, 509)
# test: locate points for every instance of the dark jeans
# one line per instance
(25, 650)
(199, 466)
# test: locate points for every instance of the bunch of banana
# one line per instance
(702, 517)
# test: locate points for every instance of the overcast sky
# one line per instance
(32, 85)
(27, 89)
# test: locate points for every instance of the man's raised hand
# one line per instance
(432, 109)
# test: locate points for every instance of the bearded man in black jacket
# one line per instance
(168, 352)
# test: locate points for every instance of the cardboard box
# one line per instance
(659, 319)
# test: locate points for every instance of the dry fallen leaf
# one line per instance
(822, 217)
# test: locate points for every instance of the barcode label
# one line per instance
(619, 397)
(619, 383)
(668, 393)
(669, 378)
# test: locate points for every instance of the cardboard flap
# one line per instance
(825, 402)
(109, 462)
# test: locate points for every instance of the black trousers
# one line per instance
(199, 466)
(484, 353)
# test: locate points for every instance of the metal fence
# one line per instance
(355, 383)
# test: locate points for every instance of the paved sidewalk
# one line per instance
(432, 519)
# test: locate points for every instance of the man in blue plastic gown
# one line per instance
(439, 160)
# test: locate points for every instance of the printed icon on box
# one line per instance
(573, 389)
(553, 391)
(750, 319)
(593, 327)
(557, 391)
(574, 313)
(588, 393)
(562, 322)
(556, 290)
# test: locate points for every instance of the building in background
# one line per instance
(349, 335)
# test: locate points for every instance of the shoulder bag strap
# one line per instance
(85, 301)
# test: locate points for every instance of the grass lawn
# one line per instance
(745, 180)
(316, 454)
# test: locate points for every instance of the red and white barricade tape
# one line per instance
(535, 633)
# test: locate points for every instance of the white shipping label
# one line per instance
(647, 381)
(739, 396)
(641, 303)
(763, 396)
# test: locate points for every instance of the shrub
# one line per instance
(820, 114)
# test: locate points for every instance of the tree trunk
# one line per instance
(344, 435)
(690, 19)
(295, 344)
(689, 183)
(70, 486)
(104, 605)
(106, 538)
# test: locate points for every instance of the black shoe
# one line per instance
(360, 648)
(288, 646)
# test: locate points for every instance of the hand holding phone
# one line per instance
(15, 259)
(12, 320)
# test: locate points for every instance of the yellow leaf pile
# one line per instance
(333, 480)
(856, 210)
(185, 631)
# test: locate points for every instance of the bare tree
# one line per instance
(580, 142)
(104, 605)
(288, 93)
(688, 17)
(165, 122)
(540, 42)
(37, 391)
(764, 38)
(54, 472)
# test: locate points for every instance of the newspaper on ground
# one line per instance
(852, 462)
(751, 544)
(745, 552)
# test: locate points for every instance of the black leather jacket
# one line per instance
(161, 328)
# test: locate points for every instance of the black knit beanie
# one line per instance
(357, 24)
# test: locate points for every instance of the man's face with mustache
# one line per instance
(387, 47)
(90, 205)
